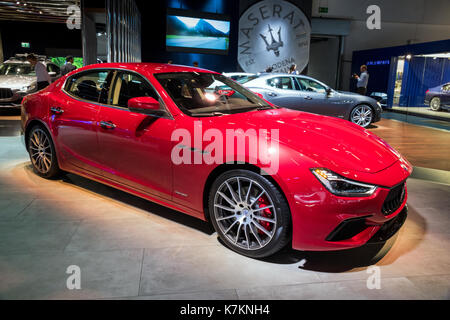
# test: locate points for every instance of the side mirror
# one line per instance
(145, 105)
(328, 91)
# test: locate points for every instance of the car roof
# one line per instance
(280, 74)
(15, 61)
(147, 67)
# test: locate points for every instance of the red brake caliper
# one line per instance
(266, 213)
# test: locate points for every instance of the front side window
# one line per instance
(90, 85)
(281, 83)
(208, 94)
(128, 86)
(311, 85)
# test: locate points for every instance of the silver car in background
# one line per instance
(308, 94)
(17, 79)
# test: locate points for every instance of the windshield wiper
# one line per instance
(264, 108)
(207, 114)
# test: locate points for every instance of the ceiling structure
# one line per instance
(39, 11)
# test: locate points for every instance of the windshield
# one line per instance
(208, 94)
(246, 79)
(15, 69)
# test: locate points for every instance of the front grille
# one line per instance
(394, 199)
(5, 93)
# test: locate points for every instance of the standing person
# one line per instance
(293, 69)
(362, 80)
(43, 78)
(269, 69)
(195, 64)
(68, 66)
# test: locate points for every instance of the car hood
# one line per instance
(16, 82)
(331, 142)
(347, 93)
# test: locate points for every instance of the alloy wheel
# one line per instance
(40, 151)
(435, 104)
(362, 115)
(245, 213)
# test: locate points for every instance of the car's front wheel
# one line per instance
(42, 153)
(249, 213)
(435, 104)
(362, 115)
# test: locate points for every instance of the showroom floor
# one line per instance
(443, 114)
(422, 145)
(127, 247)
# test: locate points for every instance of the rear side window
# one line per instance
(281, 83)
(128, 86)
(90, 85)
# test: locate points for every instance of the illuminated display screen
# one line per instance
(197, 34)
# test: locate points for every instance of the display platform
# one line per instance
(130, 248)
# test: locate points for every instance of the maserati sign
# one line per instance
(273, 33)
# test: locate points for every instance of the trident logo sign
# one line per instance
(274, 45)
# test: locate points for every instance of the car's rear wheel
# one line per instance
(42, 153)
(362, 115)
(435, 104)
(249, 213)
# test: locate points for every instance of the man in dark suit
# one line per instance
(68, 66)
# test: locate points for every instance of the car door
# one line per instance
(135, 148)
(445, 97)
(283, 93)
(316, 99)
(53, 71)
(74, 111)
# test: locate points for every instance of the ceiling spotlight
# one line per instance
(408, 57)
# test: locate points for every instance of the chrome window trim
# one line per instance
(162, 103)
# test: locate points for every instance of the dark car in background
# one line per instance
(381, 97)
(438, 98)
(308, 94)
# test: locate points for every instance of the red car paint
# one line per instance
(136, 156)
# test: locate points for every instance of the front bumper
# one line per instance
(322, 221)
(377, 114)
(390, 228)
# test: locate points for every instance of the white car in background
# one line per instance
(18, 78)
(236, 76)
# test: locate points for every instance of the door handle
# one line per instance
(308, 98)
(107, 125)
(56, 110)
(272, 94)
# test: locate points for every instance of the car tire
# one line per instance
(42, 153)
(435, 104)
(362, 115)
(255, 219)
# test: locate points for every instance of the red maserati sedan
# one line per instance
(162, 132)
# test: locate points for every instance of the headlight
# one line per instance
(341, 186)
(378, 104)
(27, 88)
